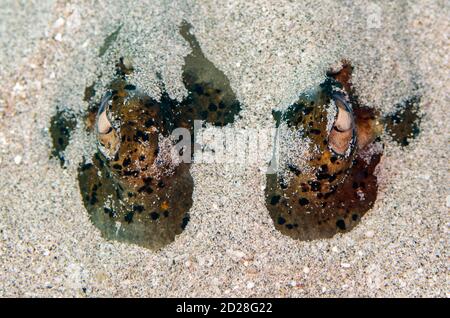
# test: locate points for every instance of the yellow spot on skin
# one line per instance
(165, 205)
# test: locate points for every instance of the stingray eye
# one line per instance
(342, 135)
(107, 135)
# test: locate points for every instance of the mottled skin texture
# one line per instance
(148, 198)
(134, 195)
(338, 189)
(133, 190)
(61, 126)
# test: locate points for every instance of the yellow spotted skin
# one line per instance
(133, 189)
(336, 190)
(309, 115)
(127, 199)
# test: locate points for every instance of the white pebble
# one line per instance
(250, 285)
(345, 265)
(370, 234)
(235, 254)
(18, 159)
(58, 23)
(306, 270)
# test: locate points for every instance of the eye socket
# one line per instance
(107, 136)
(342, 135)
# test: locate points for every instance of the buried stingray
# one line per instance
(327, 149)
(137, 187)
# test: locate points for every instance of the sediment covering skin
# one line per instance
(270, 53)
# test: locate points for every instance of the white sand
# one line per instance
(270, 52)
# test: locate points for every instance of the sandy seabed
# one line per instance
(270, 51)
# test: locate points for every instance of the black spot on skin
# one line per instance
(355, 217)
(149, 123)
(161, 184)
(307, 110)
(93, 199)
(275, 199)
(340, 224)
(146, 188)
(212, 107)
(86, 166)
(204, 114)
(117, 166)
(303, 201)
(129, 217)
(315, 185)
(147, 180)
(294, 169)
(108, 211)
(281, 220)
(154, 215)
(130, 87)
(289, 226)
(324, 168)
(198, 89)
(126, 162)
(141, 158)
(144, 136)
(333, 159)
(322, 176)
(138, 208)
(133, 173)
(185, 222)
(315, 131)
(283, 184)
(166, 213)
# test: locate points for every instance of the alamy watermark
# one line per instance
(226, 145)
